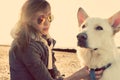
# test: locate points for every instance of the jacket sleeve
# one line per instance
(33, 63)
(55, 73)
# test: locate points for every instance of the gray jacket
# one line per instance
(32, 63)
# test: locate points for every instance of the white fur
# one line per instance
(107, 51)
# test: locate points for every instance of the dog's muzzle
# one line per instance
(82, 40)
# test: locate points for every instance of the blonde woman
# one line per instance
(31, 56)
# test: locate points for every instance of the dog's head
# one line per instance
(96, 33)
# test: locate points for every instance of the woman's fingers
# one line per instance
(98, 74)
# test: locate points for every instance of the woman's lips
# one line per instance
(45, 29)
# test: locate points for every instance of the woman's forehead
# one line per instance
(43, 13)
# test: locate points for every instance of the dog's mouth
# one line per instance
(84, 44)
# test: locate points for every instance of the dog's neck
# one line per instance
(97, 58)
(92, 71)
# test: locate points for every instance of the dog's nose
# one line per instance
(82, 36)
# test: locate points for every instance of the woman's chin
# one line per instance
(45, 33)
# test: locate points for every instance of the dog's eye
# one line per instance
(99, 28)
(83, 26)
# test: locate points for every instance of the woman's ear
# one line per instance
(81, 15)
(114, 21)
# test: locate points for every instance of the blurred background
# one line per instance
(64, 28)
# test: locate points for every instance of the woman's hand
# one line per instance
(85, 73)
(98, 74)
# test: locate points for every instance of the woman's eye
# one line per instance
(83, 26)
(50, 18)
(99, 28)
(39, 20)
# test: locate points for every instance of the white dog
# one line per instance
(96, 46)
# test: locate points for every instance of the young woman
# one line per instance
(31, 56)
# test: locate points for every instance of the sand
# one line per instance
(67, 63)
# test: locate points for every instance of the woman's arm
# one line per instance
(83, 73)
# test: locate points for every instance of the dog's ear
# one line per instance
(115, 22)
(81, 15)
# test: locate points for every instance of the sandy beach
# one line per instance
(67, 63)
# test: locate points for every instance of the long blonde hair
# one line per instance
(23, 29)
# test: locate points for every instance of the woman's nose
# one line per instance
(46, 23)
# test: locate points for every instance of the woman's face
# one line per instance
(42, 21)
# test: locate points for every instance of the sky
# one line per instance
(64, 27)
